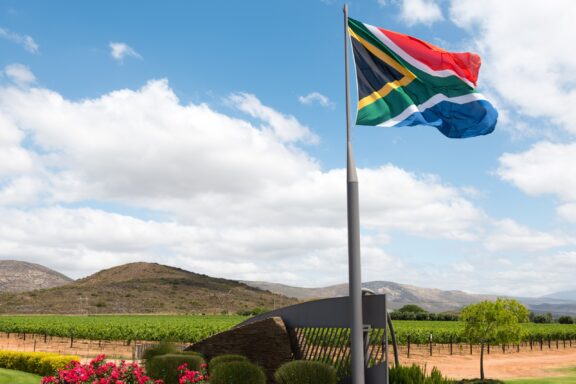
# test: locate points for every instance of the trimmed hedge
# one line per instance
(416, 375)
(165, 367)
(40, 363)
(305, 372)
(163, 348)
(223, 359)
(237, 372)
(189, 353)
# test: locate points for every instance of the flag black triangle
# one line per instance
(372, 73)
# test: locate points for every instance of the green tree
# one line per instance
(543, 318)
(411, 308)
(493, 322)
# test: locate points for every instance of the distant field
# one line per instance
(194, 327)
(445, 331)
(177, 328)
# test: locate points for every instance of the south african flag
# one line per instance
(404, 81)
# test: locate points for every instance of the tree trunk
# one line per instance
(482, 361)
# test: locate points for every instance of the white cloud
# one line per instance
(543, 169)
(218, 195)
(316, 98)
(19, 74)
(567, 211)
(509, 235)
(529, 69)
(463, 267)
(220, 189)
(420, 11)
(155, 146)
(286, 128)
(119, 51)
(14, 159)
(417, 204)
(24, 40)
(20, 192)
(535, 79)
(556, 270)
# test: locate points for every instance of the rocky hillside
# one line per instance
(434, 300)
(563, 295)
(143, 288)
(20, 276)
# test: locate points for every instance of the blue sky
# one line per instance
(210, 136)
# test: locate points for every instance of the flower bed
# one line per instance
(99, 371)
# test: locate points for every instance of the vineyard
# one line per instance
(194, 328)
(151, 328)
(445, 332)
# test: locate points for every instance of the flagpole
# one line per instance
(354, 264)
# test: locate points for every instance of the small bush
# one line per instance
(305, 372)
(164, 348)
(165, 367)
(222, 359)
(545, 318)
(416, 375)
(565, 320)
(253, 312)
(40, 363)
(237, 372)
(189, 353)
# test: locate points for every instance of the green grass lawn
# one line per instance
(568, 377)
(8, 376)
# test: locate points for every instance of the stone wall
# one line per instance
(265, 343)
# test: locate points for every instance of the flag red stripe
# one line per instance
(465, 65)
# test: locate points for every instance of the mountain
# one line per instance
(563, 295)
(20, 276)
(433, 300)
(155, 288)
(143, 288)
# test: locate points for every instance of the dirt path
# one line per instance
(525, 364)
(501, 366)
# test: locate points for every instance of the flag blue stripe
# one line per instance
(457, 121)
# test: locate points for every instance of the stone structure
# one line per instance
(265, 343)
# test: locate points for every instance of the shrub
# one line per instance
(253, 312)
(40, 363)
(422, 316)
(237, 372)
(305, 372)
(412, 308)
(222, 359)
(163, 348)
(189, 353)
(416, 375)
(165, 367)
(545, 318)
(565, 320)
